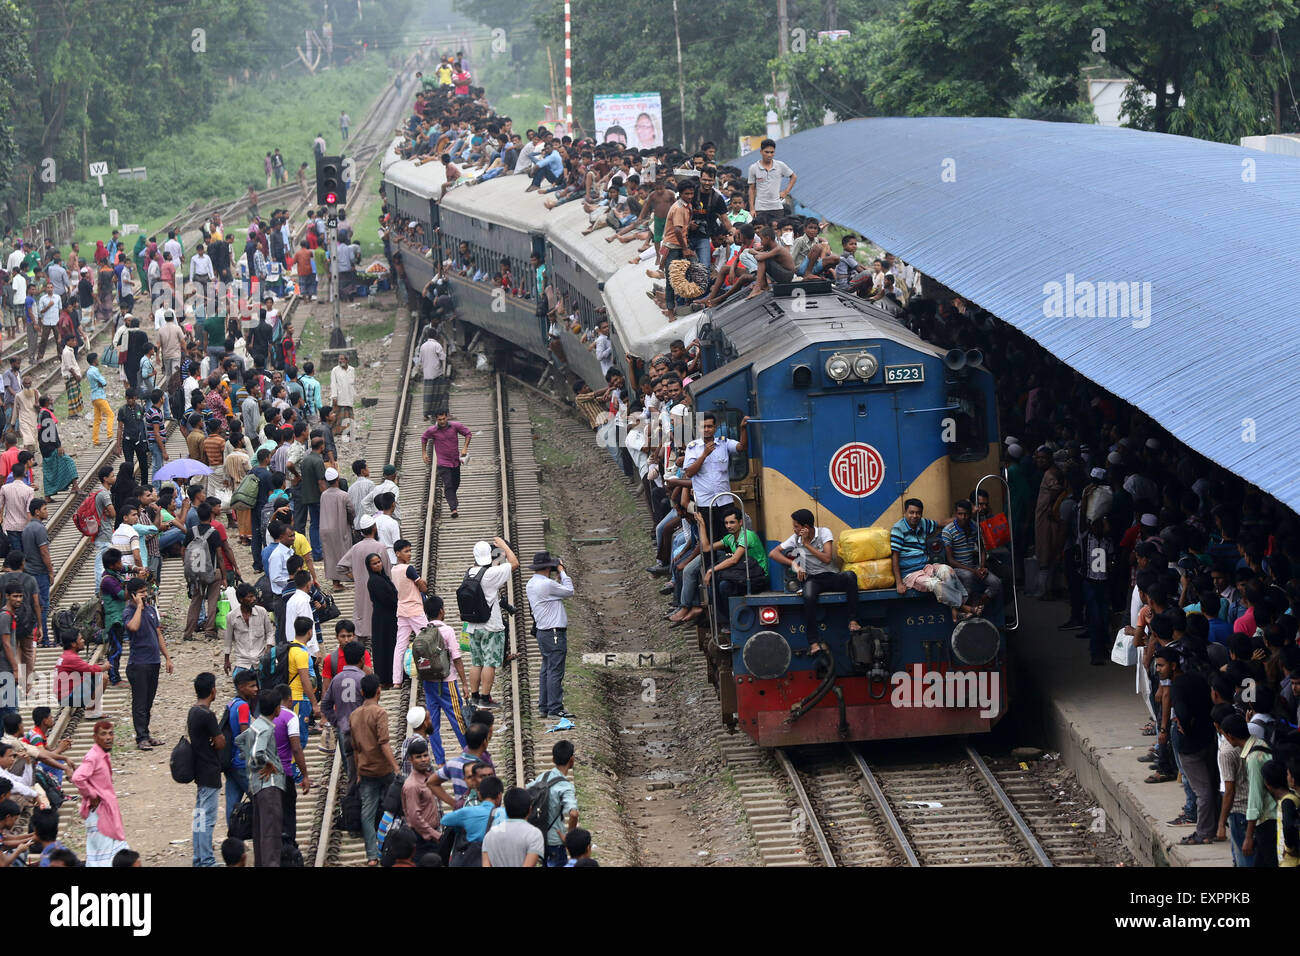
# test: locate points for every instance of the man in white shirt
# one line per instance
(15, 258)
(173, 246)
(388, 485)
(547, 590)
(487, 639)
(604, 347)
(766, 197)
(343, 379)
(298, 604)
(432, 361)
(707, 462)
(389, 531)
(48, 309)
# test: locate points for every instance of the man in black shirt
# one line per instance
(708, 215)
(132, 440)
(259, 345)
(1194, 743)
(206, 740)
(137, 343)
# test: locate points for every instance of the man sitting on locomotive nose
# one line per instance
(961, 549)
(811, 552)
(913, 569)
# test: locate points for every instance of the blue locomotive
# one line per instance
(852, 415)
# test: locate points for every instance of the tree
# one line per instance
(13, 63)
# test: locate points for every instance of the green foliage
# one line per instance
(13, 63)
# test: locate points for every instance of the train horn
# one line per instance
(975, 358)
(955, 359)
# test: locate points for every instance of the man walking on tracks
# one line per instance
(444, 436)
(547, 590)
(432, 359)
(478, 599)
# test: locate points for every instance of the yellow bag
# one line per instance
(873, 575)
(864, 544)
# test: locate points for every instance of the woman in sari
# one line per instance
(58, 470)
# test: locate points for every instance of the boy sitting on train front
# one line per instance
(811, 552)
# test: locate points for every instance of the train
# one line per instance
(851, 415)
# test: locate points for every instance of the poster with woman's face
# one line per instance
(633, 119)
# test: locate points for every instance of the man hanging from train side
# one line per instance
(915, 548)
(707, 465)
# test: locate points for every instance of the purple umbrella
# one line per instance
(181, 468)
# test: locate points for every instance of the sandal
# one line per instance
(1182, 820)
(1158, 777)
(1193, 840)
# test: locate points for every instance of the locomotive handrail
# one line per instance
(1011, 535)
(941, 408)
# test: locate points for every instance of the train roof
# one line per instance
(641, 327)
(766, 330)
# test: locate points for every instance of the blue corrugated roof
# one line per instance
(1213, 229)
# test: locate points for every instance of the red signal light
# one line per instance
(331, 198)
(767, 615)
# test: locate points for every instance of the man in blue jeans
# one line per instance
(550, 167)
(561, 803)
(243, 711)
(36, 557)
(547, 590)
(375, 762)
(205, 740)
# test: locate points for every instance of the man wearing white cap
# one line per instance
(353, 563)
(336, 516)
(487, 636)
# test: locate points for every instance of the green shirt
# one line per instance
(312, 469)
(215, 326)
(753, 547)
(1260, 805)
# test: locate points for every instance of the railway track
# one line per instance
(498, 493)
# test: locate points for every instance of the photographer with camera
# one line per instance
(148, 651)
(478, 599)
(547, 590)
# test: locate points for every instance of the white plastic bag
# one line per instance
(482, 363)
(1124, 652)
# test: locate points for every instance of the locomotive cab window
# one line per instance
(971, 440)
(729, 427)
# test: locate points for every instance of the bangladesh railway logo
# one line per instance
(857, 470)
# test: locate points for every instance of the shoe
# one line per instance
(1182, 820)
(455, 514)
(1071, 625)
(156, 742)
(666, 589)
(474, 699)
(563, 714)
(1147, 758)
(487, 703)
(659, 570)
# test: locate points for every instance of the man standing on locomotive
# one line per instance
(911, 548)
(707, 463)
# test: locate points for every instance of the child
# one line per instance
(233, 852)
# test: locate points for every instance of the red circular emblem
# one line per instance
(857, 470)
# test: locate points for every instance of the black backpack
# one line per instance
(539, 802)
(392, 802)
(273, 665)
(181, 762)
(470, 599)
(350, 810)
(467, 852)
(290, 855)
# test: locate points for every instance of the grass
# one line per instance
(221, 156)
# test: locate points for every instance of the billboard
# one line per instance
(634, 119)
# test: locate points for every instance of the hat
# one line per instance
(1115, 458)
(366, 521)
(1098, 473)
(1015, 451)
(482, 554)
(85, 268)
(544, 559)
(390, 470)
(1153, 444)
(331, 474)
(1123, 443)
(1149, 520)
(415, 717)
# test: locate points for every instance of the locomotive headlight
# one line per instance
(865, 365)
(838, 368)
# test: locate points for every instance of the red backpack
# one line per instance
(86, 517)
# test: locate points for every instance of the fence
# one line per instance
(61, 228)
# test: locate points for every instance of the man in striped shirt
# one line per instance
(961, 547)
(912, 564)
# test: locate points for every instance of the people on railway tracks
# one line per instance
(38, 563)
(560, 809)
(206, 740)
(266, 779)
(148, 654)
(547, 590)
(105, 835)
(342, 696)
(376, 765)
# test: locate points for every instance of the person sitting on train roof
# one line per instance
(909, 546)
(811, 552)
(775, 263)
(962, 552)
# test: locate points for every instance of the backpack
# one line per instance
(88, 618)
(245, 495)
(265, 597)
(290, 855)
(241, 820)
(226, 727)
(466, 852)
(350, 810)
(470, 599)
(273, 665)
(199, 567)
(181, 761)
(86, 517)
(539, 803)
(430, 655)
(65, 624)
(392, 802)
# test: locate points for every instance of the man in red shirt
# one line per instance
(77, 682)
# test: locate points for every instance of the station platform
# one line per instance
(1093, 717)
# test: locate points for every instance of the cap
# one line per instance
(331, 474)
(1098, 473)
(1115, 458)
(544, 559)
(1149, 520)
(1015, 451)
(366, 521)
(482, 554)
(415, 717)
(390, 470)
(1153, 444)
(1011, 440)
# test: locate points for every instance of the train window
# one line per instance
(969, 418)
(729, 427)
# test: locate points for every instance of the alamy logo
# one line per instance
(1081, 299)
(957, 689)
(77, 910)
